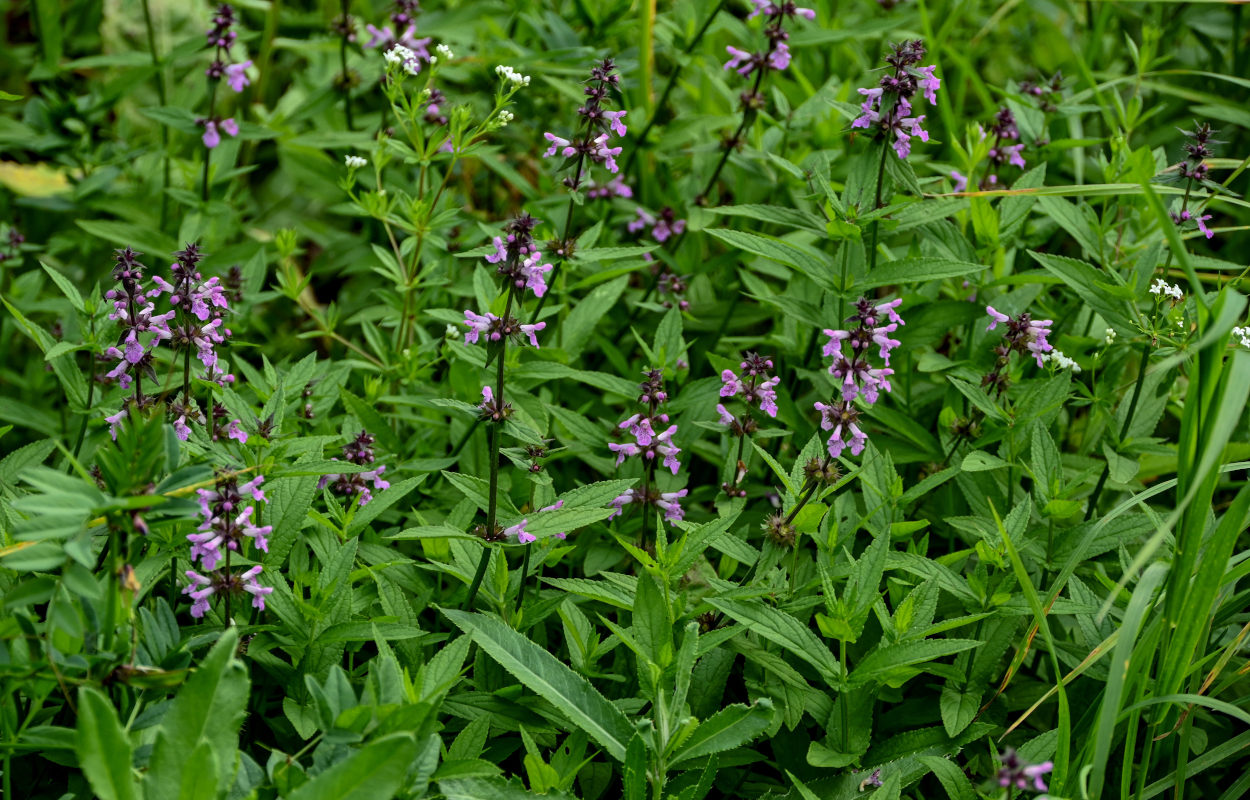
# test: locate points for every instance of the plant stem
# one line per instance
(492, 502)
(229, 594)
(668, 87)
(876, 223)
(347, 87)
(525, 568)
(748, 116)
(568, 227)
(161, 96)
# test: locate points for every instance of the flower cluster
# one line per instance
(663, 225)
(598, 124)
(1243, 335)
(202, 587)
(1047, 92)
(1003, 130)
(850, 351)
(888, 106)
(1061, 361)
(402, 48)
(519, 259)
(135, 314)
(497, 328)
(14, 240)
(352, 484)
(1185, 215)
(754, 386)
(613, 188)
(203, 305)
(650, 445)
(670, 283)
(776, 55)
(221, 38)
(1015, 773)
(228, 513)
(1024, 335)
(1161, 288)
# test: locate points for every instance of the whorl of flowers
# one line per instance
(650, 444)
(228, 513)
(13, 241)
(1047, 92)
(597, 126)
(202, 587)
(135, 314)
(525, 537)
(518, 259)
(852, 352)
(663, 225)
(888, 106)
(777, 54)
(221, 37)
(1016, 773)
(351, 484)
(754, 387)
(1024, 335)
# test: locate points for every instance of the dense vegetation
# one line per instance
(597, 399)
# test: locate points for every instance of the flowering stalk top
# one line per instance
(599, 123)
(653, 440)
(356, 484)
(888, 106)
(851, 353)
(1024, 335)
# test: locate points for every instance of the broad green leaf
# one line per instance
(545, 674)
(103, 748)
(374, 771)
(732, 726)
(782, 629)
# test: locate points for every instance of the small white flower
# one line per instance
(1061, 361)
(452, 332)
(1110, 336)
(505, 117)
(1244, 335)
(398, 54)
(509, 74)
(355, 162)
(1162, 287)
(445, 52)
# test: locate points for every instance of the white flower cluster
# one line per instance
(509, 74)
(1162, 287)
(505, 117)
(1243, 334)
(1061, 361)
(355, 162)
(444, 52)
(1110, 336)
(398, 54)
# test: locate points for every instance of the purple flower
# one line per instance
(662, 227)
(1020, 775)
(518, 530)
(779, 58)
(236, 75)
(725, 417)
(841, 418)
(613, 188)
(770, 9)
(613, 118)
(479, 324)
(1201, 221)
(533, 273)
(227, 520)
(602, 154)
(115, 421)
(555, 507)
(669, 503)
(200, 589)
(901, 84)
(960, 182)
(564, 146)
(1024, 334)
(236, 432)
(740, 60)
(253, 587)
(212, 136)
(996, 317)
(930, 83)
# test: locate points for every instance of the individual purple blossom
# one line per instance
(234, 431)
(1016, 773)
(613, 188)
(1024, 334)
(841, 417)
(518, 530)
(556, 506)
(236, 75)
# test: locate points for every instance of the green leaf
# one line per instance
(884, 660)
(732, 726)
(103, 748)
(545, 674)
(1093, 287)
(808, 260)
(981, 461)
(374, 771)
(917, 270)
(777, 215)
(782, 629)
(210, 706)
(67, 288)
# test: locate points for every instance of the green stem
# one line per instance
(748, 116)
(82, 427)
(492, 502)
(525, 568)
(347, 87)
(110, 613)
(876, 223)
(668, 87)
(229, 594)
(161, 96)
